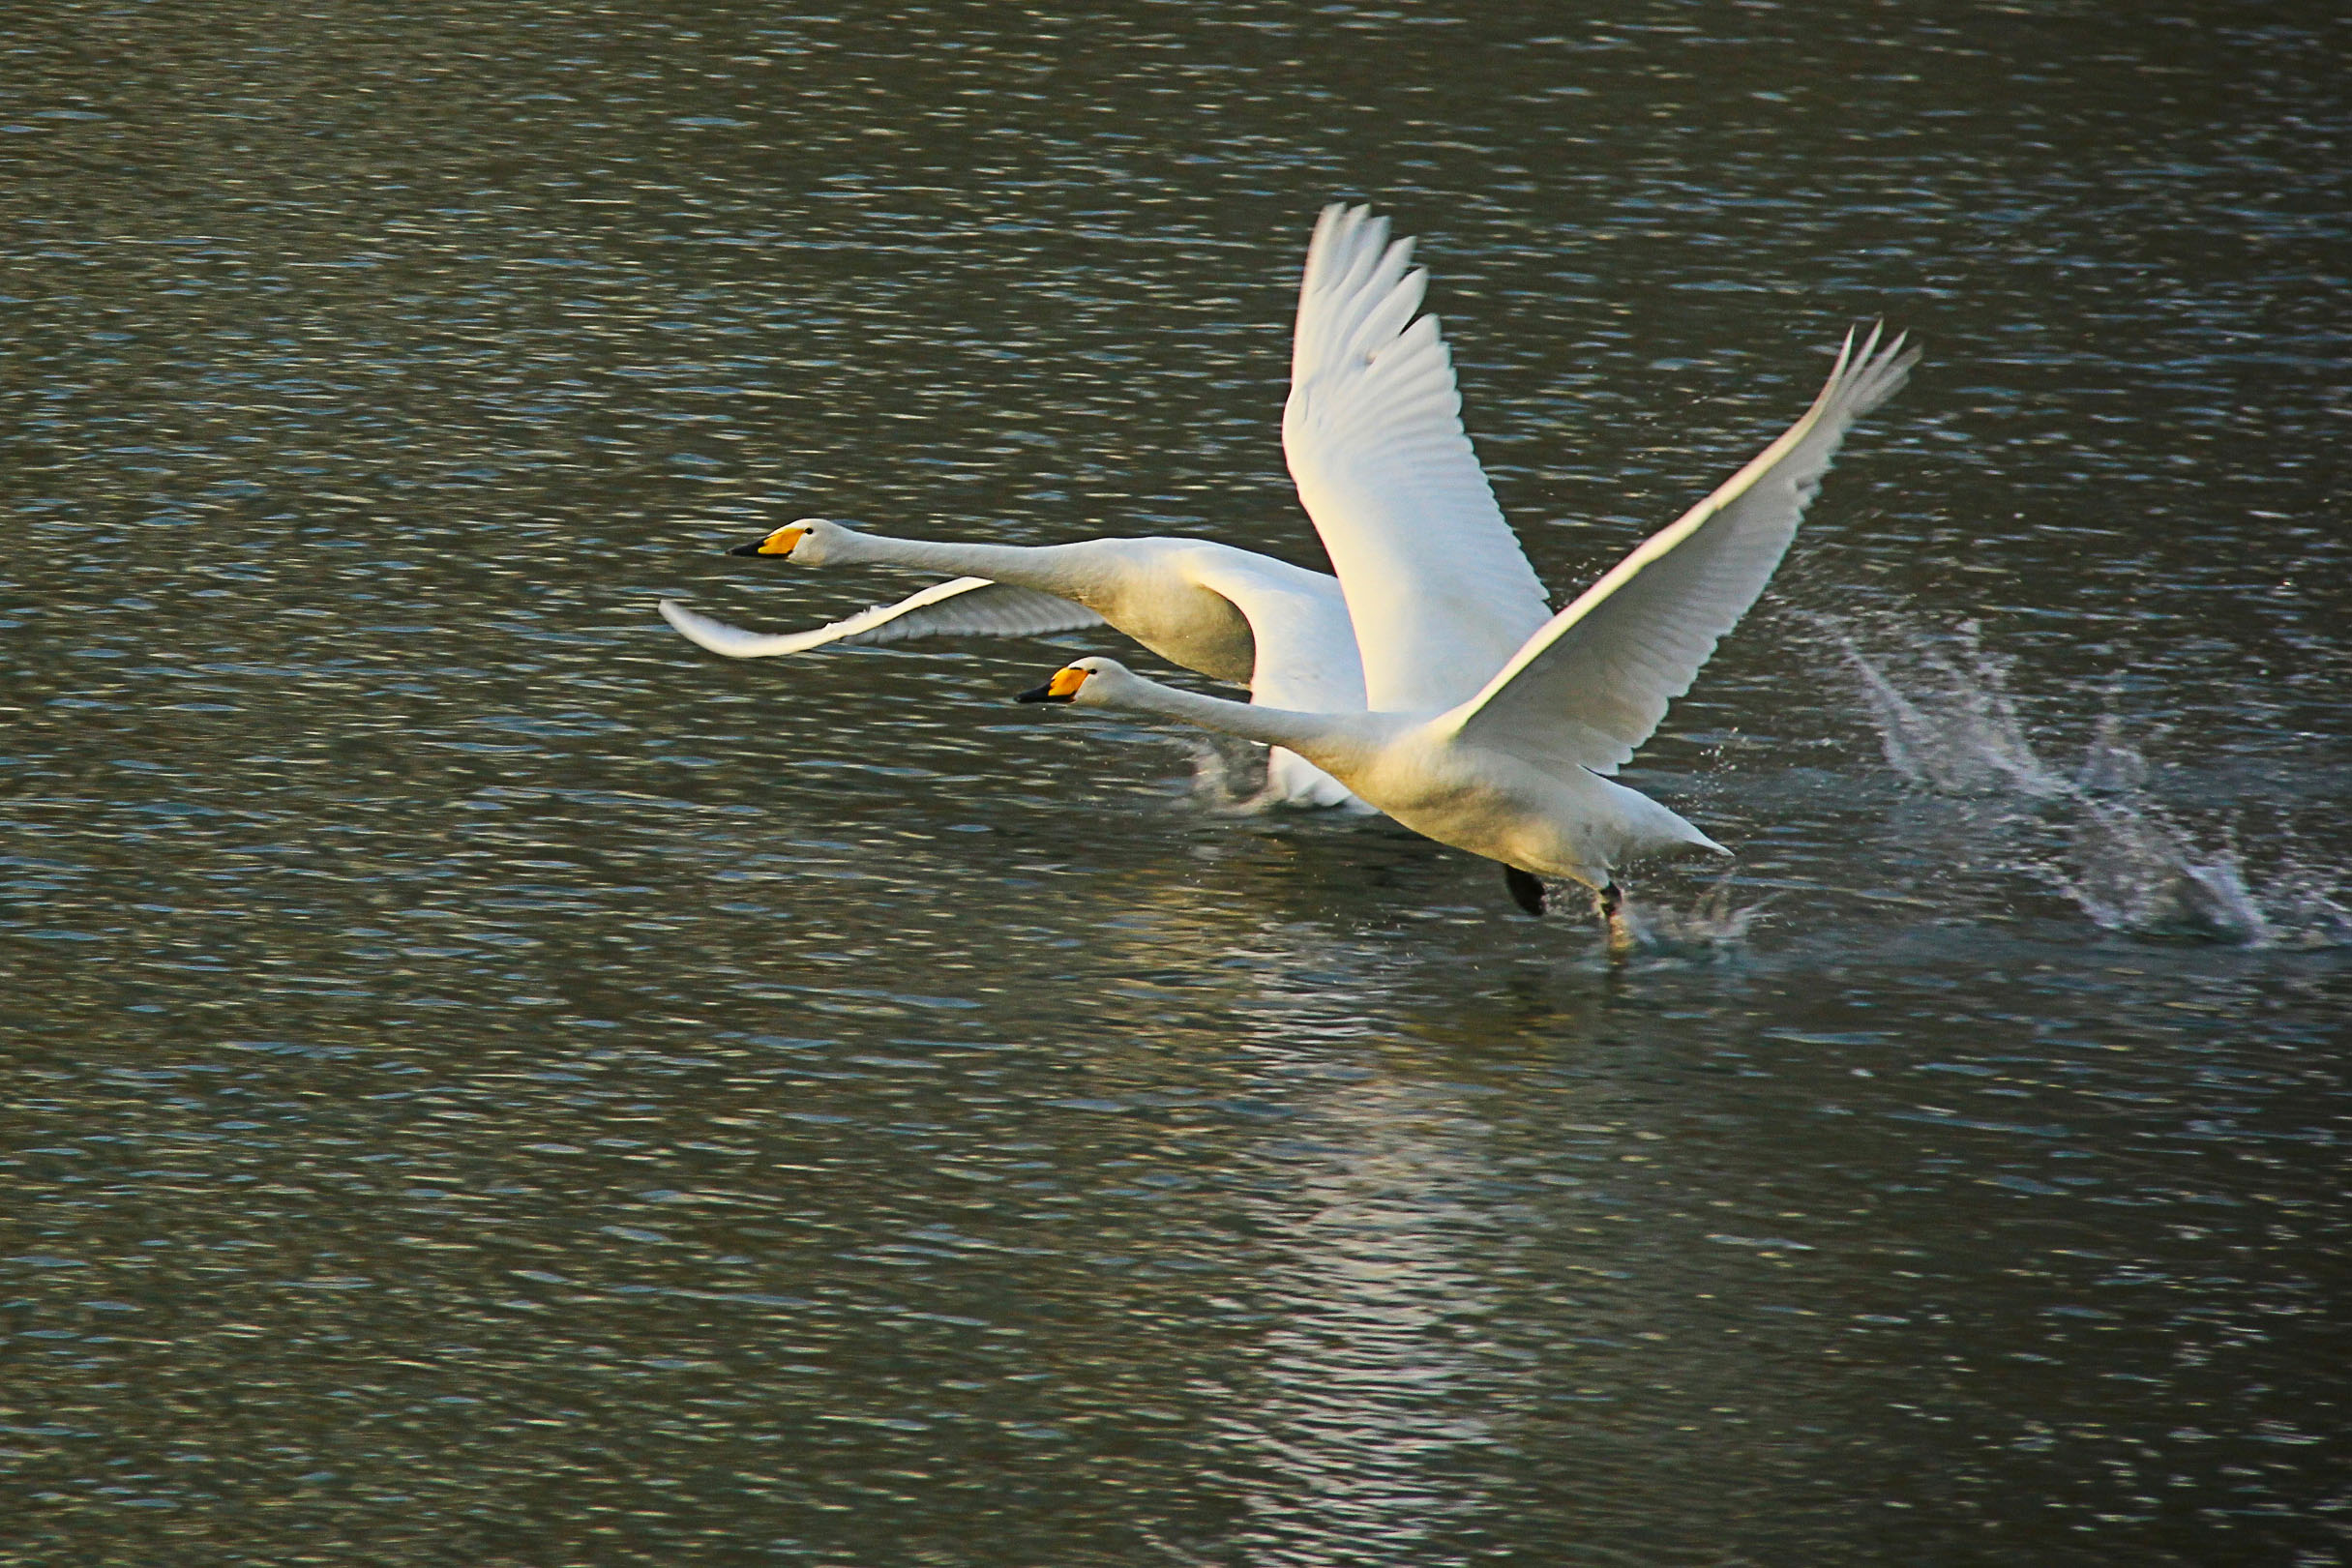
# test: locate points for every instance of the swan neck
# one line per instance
(1309, 734)
(1020, 565)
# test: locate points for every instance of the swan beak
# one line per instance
(1062, 687)
(778, 542)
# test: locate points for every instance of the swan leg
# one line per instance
(1611, 901)
(1525, 890)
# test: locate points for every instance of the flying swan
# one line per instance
(1514, 769)
(1232, 614)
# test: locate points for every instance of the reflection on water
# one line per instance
(1369, 1415)
(489, 1084)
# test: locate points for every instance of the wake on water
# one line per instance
(1947, 721)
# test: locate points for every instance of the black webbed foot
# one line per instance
(1525, 890)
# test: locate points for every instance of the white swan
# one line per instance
(1375, 485)
(1515, 770)
(1232, 614)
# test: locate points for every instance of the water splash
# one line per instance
(2131, 870)
(2307, 905)
(1229, 776)
(1952, 725)
(2110, 764)
(1709, 927)
(1956, 730)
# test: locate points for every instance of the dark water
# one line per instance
(487, 1083)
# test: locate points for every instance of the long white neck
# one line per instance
(1045, 567)
(1331, 741)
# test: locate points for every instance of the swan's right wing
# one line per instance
(1592, 684)
(1440, 592)
(1305, 656)
(967, 607)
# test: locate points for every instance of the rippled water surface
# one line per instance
(487, 1083)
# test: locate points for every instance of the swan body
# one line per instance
(1232, 614)
(1516, 770)
(1573, 824)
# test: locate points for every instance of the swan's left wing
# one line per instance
(1592, 685)
(967, 607)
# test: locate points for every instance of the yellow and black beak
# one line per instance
(778, 542)
(1062, 687)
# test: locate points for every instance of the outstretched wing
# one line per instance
(1439, 590)
(967, 607)
(1593, 683)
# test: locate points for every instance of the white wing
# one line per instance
(1593, 683)
(1306, 659)
(1439, 590)
(967, 607)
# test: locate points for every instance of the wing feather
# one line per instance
(967, 607)
(1592, 684)
(1437, 586)
(1306, 659)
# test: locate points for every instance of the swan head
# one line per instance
(803, 539)
(1078, 683)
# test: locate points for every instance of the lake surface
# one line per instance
(487, 1083)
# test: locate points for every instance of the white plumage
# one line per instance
(1431, 679)
(1438, 588)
